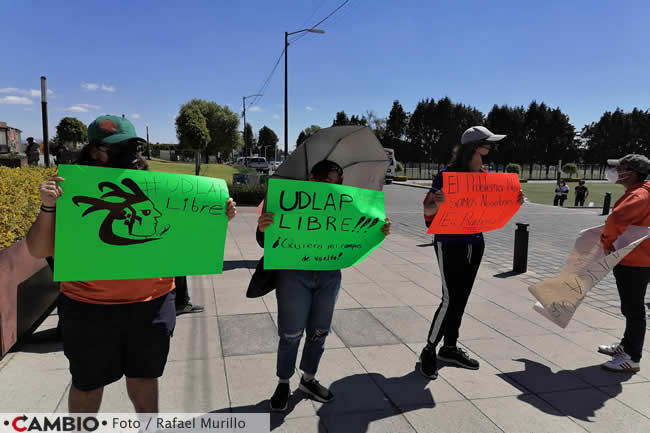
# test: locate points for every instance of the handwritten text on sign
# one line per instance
(114, 224)
(558, 298)
(321, 226)
(476, 202)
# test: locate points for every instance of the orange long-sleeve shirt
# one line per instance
(632, 209)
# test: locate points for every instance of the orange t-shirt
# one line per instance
(632, 209)
(117, 291)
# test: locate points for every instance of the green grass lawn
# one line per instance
(210, 170)
(544, 193)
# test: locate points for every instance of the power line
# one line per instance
(277, 62)
(321, 21)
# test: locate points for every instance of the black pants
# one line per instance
(459, 265)
(559, 199)
(580, 200)
(632, 283)
(182, 293)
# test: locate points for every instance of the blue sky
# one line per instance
(146, 58)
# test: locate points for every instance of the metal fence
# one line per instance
(426, 170)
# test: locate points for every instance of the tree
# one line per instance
(267, 140)
(378, 124)
(341, 119)
(192, 131)
(249, 139)
(223, 125)
(616, 134)
(510, 121)
(72, 130)
(305, 133)
(397, 122)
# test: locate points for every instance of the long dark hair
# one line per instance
(120, 155)
(462, 159)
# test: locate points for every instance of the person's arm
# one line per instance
(434, 198)
(628, 212)
(586, 192)
(40, 238)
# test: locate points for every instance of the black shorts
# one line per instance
(105, 342)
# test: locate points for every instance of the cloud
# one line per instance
(135, 116)
(276, 117)
(108, 88)
(27, 92)
(15, 100)
(308, 108)
(90, 86)
(255, 108)
(82, 108)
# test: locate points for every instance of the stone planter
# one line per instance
(27, 293)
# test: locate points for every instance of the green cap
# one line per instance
(632, 162)
(111, 129)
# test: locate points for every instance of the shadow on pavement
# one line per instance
(565, 401)
(46, 341)
(507, 274)
(357, 402)
(229, 265)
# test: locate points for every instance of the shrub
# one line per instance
(19, 200)
(400, 167)
(513, 168)
(570, 168)
(401, 178)
(247, 194)
(13, 159)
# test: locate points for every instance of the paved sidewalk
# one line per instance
(534, 376)
(553, 231)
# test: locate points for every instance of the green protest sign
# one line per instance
(114, 224)
(321, 226)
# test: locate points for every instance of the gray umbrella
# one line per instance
(354, 148)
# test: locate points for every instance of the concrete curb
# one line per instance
(411, 185)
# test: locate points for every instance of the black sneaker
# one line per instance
(189, 308)
(280, 398)
(317, 391)
(429, 362)
(456, 355)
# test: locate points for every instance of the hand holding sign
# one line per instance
(320, 226)
(114, 224)
(475, 202)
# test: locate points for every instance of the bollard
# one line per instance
(520, 259)
(607, 202)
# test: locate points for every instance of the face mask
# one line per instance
(611, 175)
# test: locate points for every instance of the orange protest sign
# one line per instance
(476, 202)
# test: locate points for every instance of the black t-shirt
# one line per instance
(581, 190)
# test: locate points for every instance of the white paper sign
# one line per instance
(587, 264)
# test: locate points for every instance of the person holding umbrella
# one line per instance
(459, 257)
(306, 299)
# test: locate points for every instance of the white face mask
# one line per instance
(611, 175)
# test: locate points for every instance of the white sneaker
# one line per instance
(622, 363)
(611, 349)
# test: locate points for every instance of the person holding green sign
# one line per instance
(110, 328)
(306, 300)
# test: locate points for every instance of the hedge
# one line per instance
(19, 200)
(251, 195)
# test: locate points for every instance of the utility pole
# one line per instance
(148, 145)
(46, 145)
(244, 98)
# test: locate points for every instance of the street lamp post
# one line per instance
(286, 91)
(46, 144)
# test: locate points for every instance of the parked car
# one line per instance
(258, 163)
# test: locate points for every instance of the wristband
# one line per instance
(48, 209)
